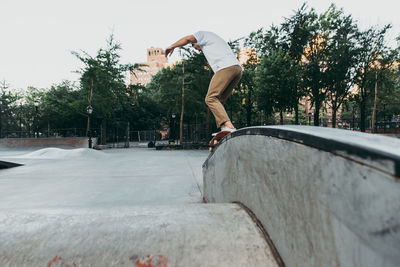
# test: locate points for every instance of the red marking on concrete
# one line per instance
(61, 262)
(55, 259)
(152, 261)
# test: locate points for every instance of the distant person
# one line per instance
(227, 72)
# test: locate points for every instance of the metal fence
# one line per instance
(392, 127)
(194, 133)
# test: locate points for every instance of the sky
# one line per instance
(37, 37)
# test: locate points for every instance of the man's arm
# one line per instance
(181, 42)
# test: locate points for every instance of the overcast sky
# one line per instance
(37, 36)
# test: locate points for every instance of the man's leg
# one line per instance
(227, 92)
(220, 82)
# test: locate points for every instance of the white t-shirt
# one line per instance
(217, 52)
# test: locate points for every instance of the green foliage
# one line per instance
(60, 107)
(296, 31)
(318, 56)
(275, 83)
(371, 51)
(102, 80)
(291, 38)
(9, 109)
(165, 87)
(388, 80)
(246, 87)
(341, 57)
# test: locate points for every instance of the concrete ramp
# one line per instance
(186, 235)
(326, 197)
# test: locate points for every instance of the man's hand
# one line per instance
(169, 51)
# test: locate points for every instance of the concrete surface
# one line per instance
(87, 178)
(326, 197)
(185, 235)
(119, 207)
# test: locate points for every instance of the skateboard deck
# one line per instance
(217, 138)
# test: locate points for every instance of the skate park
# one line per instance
(266, 196)
(220, 133)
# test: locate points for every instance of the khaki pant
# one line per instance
(220, 88)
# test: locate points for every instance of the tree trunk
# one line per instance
(334, 117)
(281, 116)
(248, 115)
(248, 109)
(104, 131)
(183, 105)
(127, 135)
(363, 115)
(316, 112)
(296, 113)
(375, 99)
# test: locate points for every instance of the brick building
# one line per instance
(156, 61)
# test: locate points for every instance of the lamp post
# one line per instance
(89, 110)
(20, 120)
(36, 103)
(173, 128)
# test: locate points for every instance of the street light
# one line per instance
(89, 110)
(36, 103)
(172, 129)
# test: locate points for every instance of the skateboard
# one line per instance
(216, 139)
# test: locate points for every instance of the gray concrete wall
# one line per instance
(68, 142)
(326, 197)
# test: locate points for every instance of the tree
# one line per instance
(165, 88)
(102, 82)
(370, 47)
(315, 63)
(32, 113)
(341, 58)
(386, 98)
(275, 83)
(8, 109)
(59, 107)
(291, 37)
(295, 32)
(247, 85)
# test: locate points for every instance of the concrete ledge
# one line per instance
(182, 235)
(67, 142)
(326, 197)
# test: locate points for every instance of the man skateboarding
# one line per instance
(227, 72)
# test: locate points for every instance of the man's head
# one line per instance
(196, 46)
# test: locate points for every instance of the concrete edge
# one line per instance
(318, 142)
(6, 164)
(264, 232)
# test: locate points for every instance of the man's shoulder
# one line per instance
(207, 36)
(205, 33)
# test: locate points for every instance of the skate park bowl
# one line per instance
(325, 197)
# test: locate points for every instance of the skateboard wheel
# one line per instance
(210, 149)
(215, 142)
